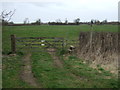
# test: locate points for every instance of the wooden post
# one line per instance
(63, 44)
(13, 44)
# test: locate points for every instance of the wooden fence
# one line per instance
(36, 43)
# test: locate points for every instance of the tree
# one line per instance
(5, 16)
(91, 22)
(38, 22)
(26, 21)
(58, 21)
(11, 23)
(104, 21)
(66, 21)
(95, 21)
(77, 21)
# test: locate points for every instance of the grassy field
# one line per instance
(68, 32)
(42, 62)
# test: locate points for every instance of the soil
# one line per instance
(27, 74)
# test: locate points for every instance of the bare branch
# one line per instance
(7, 16)
(11, 15)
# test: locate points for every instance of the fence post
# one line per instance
(13, 44)
(62, 43)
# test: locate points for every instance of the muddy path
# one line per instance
(27, 75)
(57, 61)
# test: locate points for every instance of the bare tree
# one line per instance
(77, 21)
(66, 21)
(58, 21)
(6, 16)
(92, 22)
(104, 21)
(26, 21)
(38, 22)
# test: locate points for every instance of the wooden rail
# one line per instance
(44, 42)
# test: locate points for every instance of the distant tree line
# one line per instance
(58, 22)
(5, 18)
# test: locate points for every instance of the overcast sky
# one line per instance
(50, 10)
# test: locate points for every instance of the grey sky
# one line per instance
(50, 10)
(119, 11)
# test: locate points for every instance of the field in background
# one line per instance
(68, 32)
(42, 67)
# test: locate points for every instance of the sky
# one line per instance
(51, 10)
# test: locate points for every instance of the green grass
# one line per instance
(51, 77)
(11, 72)
(44, 70)
(76, 66)
(48, 75)
(68, 32)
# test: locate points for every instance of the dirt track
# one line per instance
(27, 74)
(56, 59)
